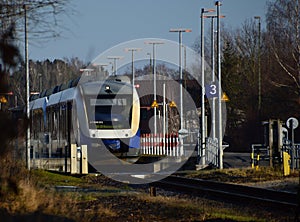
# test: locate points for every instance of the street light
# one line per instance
(259, 71)
(220, 139)
(27, 87)
(180, 31)
(100, 69)
(154, 104)
(203, 11)
(115, 58)
(213, 114)
(132, 63)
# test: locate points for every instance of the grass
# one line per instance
(241, 175)
(35, 197)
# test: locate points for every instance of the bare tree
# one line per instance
(44, 17)
(283, 24)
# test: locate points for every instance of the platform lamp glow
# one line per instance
(180, 31)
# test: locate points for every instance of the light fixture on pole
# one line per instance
(201, 149)
(154, 104)
(132, 50)
(180, 31)
(114, 58)
(259, 69)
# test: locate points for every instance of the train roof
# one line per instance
(39, 103)
(106, 87)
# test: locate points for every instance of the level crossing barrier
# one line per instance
(161, 145)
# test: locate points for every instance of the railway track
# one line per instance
(230, 192)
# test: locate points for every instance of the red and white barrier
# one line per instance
(160, 145)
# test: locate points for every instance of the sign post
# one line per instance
(292, 123)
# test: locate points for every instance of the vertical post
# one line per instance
(84, 159)
(293, 144)
(164, 119)
(259, 69)
(180, 30)
(180, 79)
(271, 142)
(202, 91)
(213, 112)
(220, 138)
(27, 89)
(73, 161)
(154, 89)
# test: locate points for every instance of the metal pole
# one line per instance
(213, 112)
(180, 76)
(293, 145)
(154, 88)
(259, 69)
(164, 114)
(220, 139)
(132, 66)
(132, 62)
(259, 64)
(27, 89)
(115, 66)
(154, 76)
(180, 30)
(202, 91)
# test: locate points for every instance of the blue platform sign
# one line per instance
(211, 90)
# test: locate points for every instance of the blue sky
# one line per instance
(101, 24)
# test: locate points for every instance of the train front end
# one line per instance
(111, 110)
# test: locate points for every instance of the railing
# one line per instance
(212, 152)
(161, 145)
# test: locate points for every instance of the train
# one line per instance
(86, 112)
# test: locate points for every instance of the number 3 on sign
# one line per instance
(211, 90)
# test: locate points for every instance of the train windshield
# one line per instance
(110, 112)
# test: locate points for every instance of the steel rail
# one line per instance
(232, 192)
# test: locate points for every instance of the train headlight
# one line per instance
(107, 89)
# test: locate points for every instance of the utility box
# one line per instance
(286, 163)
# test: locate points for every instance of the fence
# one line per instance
(212, 152)
(161, 145)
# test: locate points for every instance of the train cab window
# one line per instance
(110, 112)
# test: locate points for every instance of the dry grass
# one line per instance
(31, 195)
(247, 175)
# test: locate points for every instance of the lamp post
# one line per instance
(132, 50)
(115, 58)
(201, 151)
(259, 71)
(180, 31)
(220, 138)
(27, 88)
(100, 69)
(154, 104)
(213, 106)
